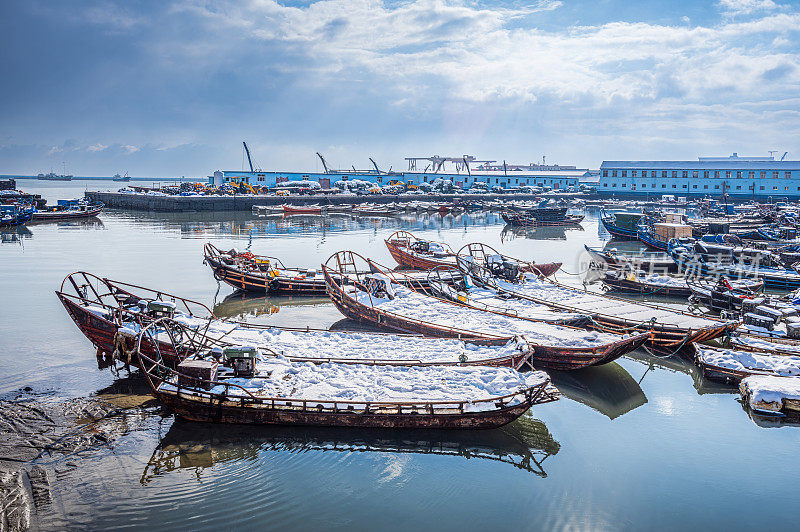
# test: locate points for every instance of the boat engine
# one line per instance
(242, 360)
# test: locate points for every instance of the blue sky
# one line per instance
(172, 88)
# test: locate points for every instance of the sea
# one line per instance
(644, 443)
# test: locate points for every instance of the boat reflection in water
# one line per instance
(13, 235)
(187, 445)
(609, 389)
(681, 364)
(546, 232)
(241, 306)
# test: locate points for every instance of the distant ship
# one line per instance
(125, 177)
(54, 177)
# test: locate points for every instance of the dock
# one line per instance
(245, 202)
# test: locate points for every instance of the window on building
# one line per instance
(685, 173)
(613, 173)
(788, 175)
(694, 186)
(674, 185)
(738, 187)
(716, 173)
(614, 185)
(624, 185)
(716, 187)
(705, 186)
(605, 173)
(605, 185)
(727, 173)
(739, 174)
(663, 186)
(684, 185)
(774, 187)
(763, 174)
(785, 188)
(761, 188)
(624, 173)
(775, 174)
(425, 179)
(633, 173)
(663, 173)
(705, 174)
(751, 174)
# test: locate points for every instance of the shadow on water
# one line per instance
(524, 444)
(609, 389)
(14, 235)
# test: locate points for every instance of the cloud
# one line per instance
(97, 147)
(745, 7)
(130, 149)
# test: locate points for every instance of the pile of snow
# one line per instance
(767, 393)
(360, 383)
(303, 184)
(750, 362)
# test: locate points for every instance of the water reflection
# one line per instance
(246, 224)
(243, 307)
(14, 235)
(524, 444)
(609, 389)
(510, 232)
(678, 363)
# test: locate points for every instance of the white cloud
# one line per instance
(97, 147)
(745, 7)
(130, 149)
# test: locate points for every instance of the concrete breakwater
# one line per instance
(143, 202)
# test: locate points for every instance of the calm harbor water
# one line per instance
(644, 443)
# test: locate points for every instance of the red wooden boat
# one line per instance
(350, 291)
(302, 209)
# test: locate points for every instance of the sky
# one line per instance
(158, 88)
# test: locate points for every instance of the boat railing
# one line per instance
(213, 252)
(158, 374)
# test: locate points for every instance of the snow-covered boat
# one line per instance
(302, 209)
(417, 254)
(238, 385)
(772, 396)
(730, 365)
(111, 313)
(376, 298)
(649, 261)
(263, 274)
(669, 327)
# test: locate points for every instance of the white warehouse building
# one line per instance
(742, 177)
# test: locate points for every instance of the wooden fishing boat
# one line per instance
(729, 365)
(111, 313)
(263, 274)
(200, 389)
(505, 265)
(379, 300)
(417, 254)
(621, 224)
(413, 253)
(635, 282)
(541, 218)
(651, 262)
(771, 396)
(68, 210)
(302, 209)
(669, 327)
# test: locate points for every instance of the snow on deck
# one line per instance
(768, 393)
(784, 365)
(764, 344)
(366, 383)
(521, 307)
(416, 306)
(352, 345)
(581, 301)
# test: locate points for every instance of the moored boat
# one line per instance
(278, 391)
(649, 261)
(621, 224)
(669, 327)
(771, 396)
(302, 209)
(68, 210)
(379, 300)
(540, 217)
(730, 365)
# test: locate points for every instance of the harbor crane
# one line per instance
(250, 159)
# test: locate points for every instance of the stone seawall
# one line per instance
(141, 202)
